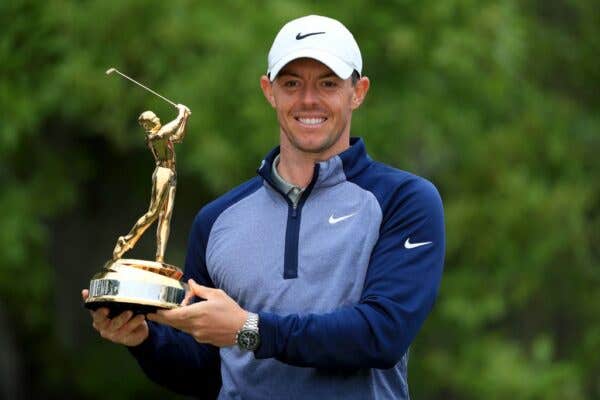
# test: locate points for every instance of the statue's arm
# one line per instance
(175, 130)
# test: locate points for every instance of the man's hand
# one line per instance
(122, 329)
(215, 321)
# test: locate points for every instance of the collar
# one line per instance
(337, 169)
(292, 191)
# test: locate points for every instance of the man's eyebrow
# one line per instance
(295, 75)
(286, 72)
(328, 75)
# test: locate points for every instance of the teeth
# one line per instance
(311, 121)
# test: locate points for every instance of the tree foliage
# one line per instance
(494, 101)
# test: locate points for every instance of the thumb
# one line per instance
(199, 290)
(189, 295)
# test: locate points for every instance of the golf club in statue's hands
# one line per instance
(111, 70)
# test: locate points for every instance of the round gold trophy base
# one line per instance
(136, 285)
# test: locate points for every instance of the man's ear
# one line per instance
(267, 88)
(360, 91)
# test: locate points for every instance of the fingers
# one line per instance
(124, 329)
(155, 317)
(132, 325)
(181, 318)
(117, 322)
(201, 291)
(100, 318)
(102, 323)
(169, 317)
(100, 315)
(189, 295)
(188, 319)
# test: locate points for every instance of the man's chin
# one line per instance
(314, 147)
(313, 143)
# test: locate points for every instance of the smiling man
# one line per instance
(314, 108)
(317, 274)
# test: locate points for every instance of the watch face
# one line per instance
(248, 339)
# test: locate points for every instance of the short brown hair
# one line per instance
(354, 77)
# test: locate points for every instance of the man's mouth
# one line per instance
(311, 121)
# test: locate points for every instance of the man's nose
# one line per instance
(310, 96)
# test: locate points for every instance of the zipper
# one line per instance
(292, 230)
(292, 237)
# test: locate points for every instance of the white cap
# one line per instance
(323, 39)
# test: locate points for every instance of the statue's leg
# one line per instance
(164, 223)
(160, 184)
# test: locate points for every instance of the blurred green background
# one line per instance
(495, 101)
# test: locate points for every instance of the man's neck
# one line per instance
(298, 168)
(298, 172)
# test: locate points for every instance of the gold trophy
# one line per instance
(139, 285)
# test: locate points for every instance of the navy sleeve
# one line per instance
(173, 358)
(399, 291)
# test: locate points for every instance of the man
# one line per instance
(160, 140)
(317, 274)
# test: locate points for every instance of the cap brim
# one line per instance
(339, 67)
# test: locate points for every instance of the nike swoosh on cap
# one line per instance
(300, 36)
(409, 245)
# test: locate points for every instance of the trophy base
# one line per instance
(115, 308)
(136, 285)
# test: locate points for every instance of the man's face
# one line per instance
(314, 107)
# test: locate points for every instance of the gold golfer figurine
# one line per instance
(143, 286)
(160, 141)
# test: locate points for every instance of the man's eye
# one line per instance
(329, 84)
(290, 84)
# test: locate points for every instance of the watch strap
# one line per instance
(250, 328)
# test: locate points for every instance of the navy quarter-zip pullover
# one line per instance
(342, 282)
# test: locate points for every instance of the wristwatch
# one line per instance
(248, 337)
